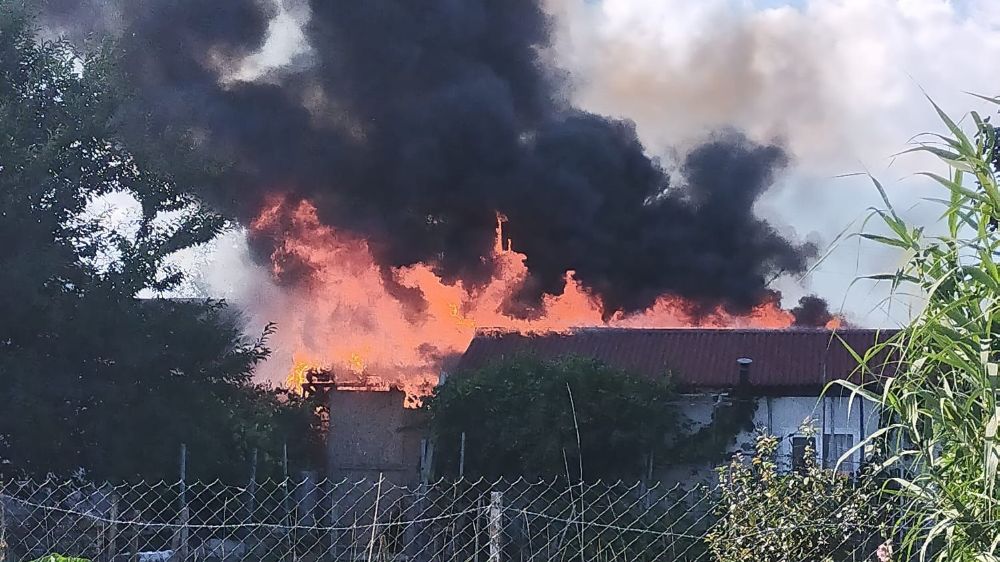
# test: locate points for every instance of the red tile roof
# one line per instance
(695, 357)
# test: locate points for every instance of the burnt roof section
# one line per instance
(696, 357)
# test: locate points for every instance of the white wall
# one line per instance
(783, 416)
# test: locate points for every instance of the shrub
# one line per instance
(810, 514)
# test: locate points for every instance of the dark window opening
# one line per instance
(800, 446)
(835, 446)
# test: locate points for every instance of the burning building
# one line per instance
(785, 373)
(349, 320)
(375, 170)
(372, 435)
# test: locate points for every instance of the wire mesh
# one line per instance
(375, 520)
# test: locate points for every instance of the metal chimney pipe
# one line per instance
(744, 363)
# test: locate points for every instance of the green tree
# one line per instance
(532, 417)
(94, 377)
(943, 397)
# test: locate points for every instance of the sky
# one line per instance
(838, 83)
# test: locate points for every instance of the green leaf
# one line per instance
(995, 100)
(952, 126)
(886, 240)
(60, 558)
(982, 277)
(885, 198)
(954, 186)
(953, 159)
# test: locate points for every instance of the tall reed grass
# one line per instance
(940, 394)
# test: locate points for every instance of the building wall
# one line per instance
(832, 417)
(372, 434)
(837, 420)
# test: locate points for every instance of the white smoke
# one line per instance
(837, 82)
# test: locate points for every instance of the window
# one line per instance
(800, 446)
(835, 445)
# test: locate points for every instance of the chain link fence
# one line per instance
(373, 520)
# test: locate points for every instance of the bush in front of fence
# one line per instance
(809, 514)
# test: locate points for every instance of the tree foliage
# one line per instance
(94, 377)
(526, 416)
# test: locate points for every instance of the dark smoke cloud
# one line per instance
(417, 121)
(812, 312)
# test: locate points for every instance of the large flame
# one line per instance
(348, 322)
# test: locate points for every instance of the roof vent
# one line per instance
(744, 363)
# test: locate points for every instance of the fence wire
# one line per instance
(375, 520)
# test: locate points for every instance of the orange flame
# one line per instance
(345, 319)
(297, 374)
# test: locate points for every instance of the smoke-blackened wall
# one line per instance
(415, 123)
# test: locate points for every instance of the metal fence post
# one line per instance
(180, 541)
(3, 529)
(133, 545)
(374, 534)
(413, 534)
(252, 487)
(496, 525)
(334, 534)
(112, 539)
(286, 507)
(461, 458)
(426, 461)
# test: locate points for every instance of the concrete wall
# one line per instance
(372, 434)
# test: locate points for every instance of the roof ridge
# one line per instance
(488, 330)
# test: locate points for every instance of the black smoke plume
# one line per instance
(812, 312)
(414, 122)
